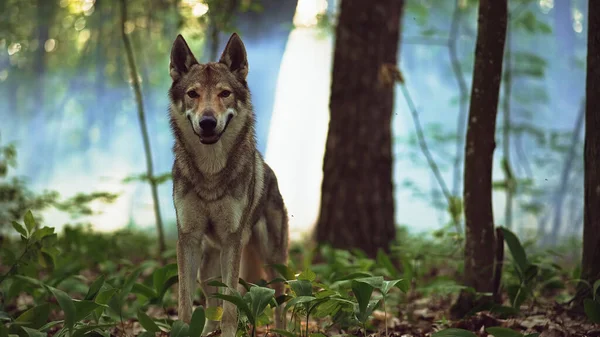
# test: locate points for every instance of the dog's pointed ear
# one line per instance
(182, 58)
(234, 56)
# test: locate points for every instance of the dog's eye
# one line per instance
(193, 94)
(224, 93)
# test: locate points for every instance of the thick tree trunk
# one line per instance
(357, 204)
(480, 239)
(590, 264)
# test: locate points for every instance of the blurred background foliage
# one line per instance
(68, 121)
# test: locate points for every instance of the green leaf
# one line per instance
(41, 233)
(592, 310)
(239, 302)
(453, 332)
(29, 221)
(375, 281)
(147, 322)
(19, 228)
(516, 250)
(388, 285)
(95, 288)
(214, 313)
(33, 332)
(301, 287)
(66, 304)
(179, 329)
(503, 332)
(50, 324)
(260, 297)
(218, 284)
(103, 298)
(299, 300)
(362, 291)
(84, 330)
(197, 323)
(36, 316)
(286, 272)
(84, 308)
(307, 275)
(142, 289)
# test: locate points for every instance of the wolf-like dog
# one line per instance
(231, 219)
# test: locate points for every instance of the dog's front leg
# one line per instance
(231, 253)
(188, 248)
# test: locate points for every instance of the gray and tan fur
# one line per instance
(231, 219)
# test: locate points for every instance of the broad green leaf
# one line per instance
(307, 275)
(41, 233)
(50, 324)
(84, 330)
(84, 308)
(453, 332)
(516, 250)
(214, 313)
(66, 304)
(168, 283)
(317, 334)
(130, 281)
(299, 300)
(239, 302)
(19, 228)
(301, 287)
(179, 329)
(197, 323)
(286, 272)
(388, 285)
(353, 276)
(142, 289)
(362, 291)
(95, 288)
(592, 310)
(375, 281)
(33, 332)
(103, 298)
(29, 221)
(147, 322)
(503, 332)
(36, 316)
(260, 297)
(30, 280)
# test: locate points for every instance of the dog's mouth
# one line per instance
(209, 138)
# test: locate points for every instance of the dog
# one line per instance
(231, 218)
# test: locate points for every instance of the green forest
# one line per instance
(300, 168)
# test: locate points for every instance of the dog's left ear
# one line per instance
(234, 56)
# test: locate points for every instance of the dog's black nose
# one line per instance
(208, 123)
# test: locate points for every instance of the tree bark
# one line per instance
(357, 204)
(590, 265)
(480, 144)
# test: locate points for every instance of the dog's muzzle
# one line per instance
(208, 129)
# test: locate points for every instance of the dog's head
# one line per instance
(207, 98)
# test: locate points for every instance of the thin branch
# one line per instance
(133, 74)
(507, 168)
(423, 144)
(464, 96)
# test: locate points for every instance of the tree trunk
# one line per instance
(480, 239)
(357, 204)
(590, 267)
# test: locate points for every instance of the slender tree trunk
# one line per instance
(480, 239)
(565, 176)
(590, 263)
(133, 73)
(357, 204)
